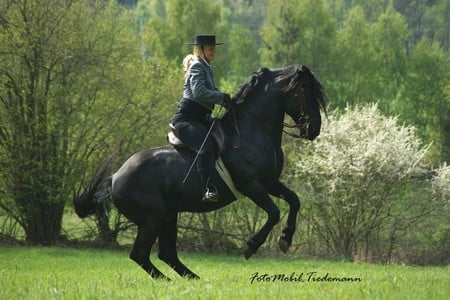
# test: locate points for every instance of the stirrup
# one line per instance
(211, 195)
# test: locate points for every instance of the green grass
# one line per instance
(65, 273)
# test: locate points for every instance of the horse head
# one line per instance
(291, 90)
(302, 99)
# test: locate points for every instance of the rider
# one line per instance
(192, 119)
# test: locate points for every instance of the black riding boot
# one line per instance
(204, 168)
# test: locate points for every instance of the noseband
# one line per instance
(304, 120)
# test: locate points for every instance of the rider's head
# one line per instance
(205, 46)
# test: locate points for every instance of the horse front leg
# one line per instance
(281, 191)
(258, 194)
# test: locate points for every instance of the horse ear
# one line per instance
(304, 68)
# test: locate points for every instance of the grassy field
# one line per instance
(65, 273)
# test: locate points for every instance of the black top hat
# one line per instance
(205, 39)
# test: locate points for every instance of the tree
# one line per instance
(423, 101)
(437, 23)
(369, 59)
(349, 78)
(389, 35)
(300, 31)
(354, 176)
(425, 19)
(62, 63)
(173, 23)
(243, 58)
(372, 8)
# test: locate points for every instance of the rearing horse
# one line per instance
(148, 188)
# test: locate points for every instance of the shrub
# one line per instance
(359, 177)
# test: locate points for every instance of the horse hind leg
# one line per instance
(167, 240)
(146, 236)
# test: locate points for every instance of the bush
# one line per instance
(362, 177)
(441, 183)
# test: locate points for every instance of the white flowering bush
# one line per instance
(362, 142)
(441, 183)
(354, 175)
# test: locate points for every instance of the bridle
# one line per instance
(303, 123)
(304, 120)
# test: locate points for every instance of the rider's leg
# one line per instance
(205, 167)
(193, 134)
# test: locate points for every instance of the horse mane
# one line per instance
(297, 76)
(246, 89)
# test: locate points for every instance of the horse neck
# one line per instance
(259, 118)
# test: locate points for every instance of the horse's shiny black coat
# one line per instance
(148, 188)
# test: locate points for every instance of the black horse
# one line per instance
(148, 189)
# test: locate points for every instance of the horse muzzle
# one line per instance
(309, 128)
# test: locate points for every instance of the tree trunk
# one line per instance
(43, 223)
(106, 235)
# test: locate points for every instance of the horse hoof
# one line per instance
(248, 252)
(284, 246)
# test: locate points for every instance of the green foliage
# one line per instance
(378, 60)
(241, 66)
(300, 31)
(59, 69)
(145, 122)
(423, 101)
(352, 41)
(389, 37)
(437, 23)
(166, 32)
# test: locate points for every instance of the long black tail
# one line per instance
(94, 197)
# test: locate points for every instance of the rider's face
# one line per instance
(210, 52)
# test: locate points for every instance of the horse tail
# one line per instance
(94, 198)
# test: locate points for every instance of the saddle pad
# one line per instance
(226, 177)
(174, 140)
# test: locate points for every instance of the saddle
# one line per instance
(220, 140)
(217, 134)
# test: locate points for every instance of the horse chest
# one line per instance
(264, 162)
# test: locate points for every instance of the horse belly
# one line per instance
(144, 182)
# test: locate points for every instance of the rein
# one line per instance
(235, 125)
(304, 121)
